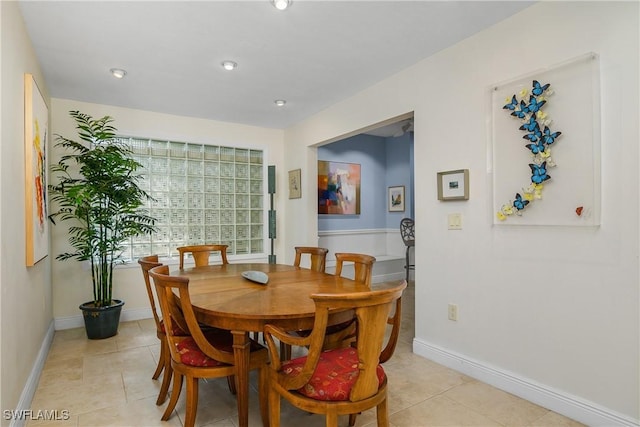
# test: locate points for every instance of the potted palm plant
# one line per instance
(98, 192)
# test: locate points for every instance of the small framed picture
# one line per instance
(453, 185)
(295, 190)
(396, 198)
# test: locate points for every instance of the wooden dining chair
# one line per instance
(201, 253)
(343, 381)
(362, 265)
(202, 354)
(394, 320)
(318, 258)
(164, 362)
(317, 255)
(342, 334)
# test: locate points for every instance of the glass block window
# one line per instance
(202, 194)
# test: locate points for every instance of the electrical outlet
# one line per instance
(453, 312)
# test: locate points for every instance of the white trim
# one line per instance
(31, 385)
(385, 244)
(77, 321)
(135, 314)
(359, 231)
(68, 322)
(568, 405)
(390, 277)
(331, 262)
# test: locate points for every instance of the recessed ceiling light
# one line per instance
(280, 102)
(118, 73)
(281, 4)
(229, 65)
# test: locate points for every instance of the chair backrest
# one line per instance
(362, 265)
(407, 231)
(175, 305)
(394, 321)
(371, 311)
(147, 263)
(318, 257)
(201, 253)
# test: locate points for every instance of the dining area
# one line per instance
(422, 392)
(316, 340)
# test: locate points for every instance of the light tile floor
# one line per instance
(108, 383)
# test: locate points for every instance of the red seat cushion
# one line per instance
(177, 330)
(190, 353)
(334, 377)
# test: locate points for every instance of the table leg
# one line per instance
(241, 354)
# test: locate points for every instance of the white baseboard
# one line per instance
(29, 390)
(31, 385)
(71, 322)
(570, 406)
(390, 277)
(136, 314)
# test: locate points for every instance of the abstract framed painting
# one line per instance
(36, 133)
(338, 188)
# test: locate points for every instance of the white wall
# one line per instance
(72, 283)
(25, 293)
(553, 309)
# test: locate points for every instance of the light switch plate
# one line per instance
(455, 221)
(453, 312)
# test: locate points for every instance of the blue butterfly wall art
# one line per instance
(526, 106)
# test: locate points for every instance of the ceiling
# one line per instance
(312, 55)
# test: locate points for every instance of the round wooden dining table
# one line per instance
(223, 298)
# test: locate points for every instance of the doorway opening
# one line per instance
(383, 153)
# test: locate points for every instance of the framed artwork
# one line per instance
(36, 132)
(396, 198)
(295, 189)
(338, 188)
(545, 146)
(453, 185)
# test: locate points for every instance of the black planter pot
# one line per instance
(101, 322)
